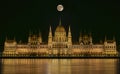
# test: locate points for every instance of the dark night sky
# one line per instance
(18, 17)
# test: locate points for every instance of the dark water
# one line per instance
(59, 66)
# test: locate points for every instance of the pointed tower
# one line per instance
(14, 41)
(5, 43)
(90, 36)
(39, 38)
(80, 38)
(69, 37)
(29, 38)
(114, 40)
(50, 37)
(105, 41)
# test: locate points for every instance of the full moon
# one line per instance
(60, 7)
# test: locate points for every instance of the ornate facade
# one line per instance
(60, 44)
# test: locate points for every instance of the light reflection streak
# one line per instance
(59, 66)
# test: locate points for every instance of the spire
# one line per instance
(40, 37)
(60, 22)
(80, 37)
(50, 32)
(69, 32)
(50, 29)
(50, 37)
(69, 29)
(69, 37)
(90, 36)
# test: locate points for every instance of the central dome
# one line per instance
(60, 28)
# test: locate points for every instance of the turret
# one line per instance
(80, 38)
(90, 36)
(29, 38)
(69, 37)
(110, 46)
(114, 40)
(50, 37)
(39, 38)
(105, 41)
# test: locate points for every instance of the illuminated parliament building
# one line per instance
(60, 44)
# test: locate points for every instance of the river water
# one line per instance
(59, 66)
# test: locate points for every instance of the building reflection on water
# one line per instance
(59, 66)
